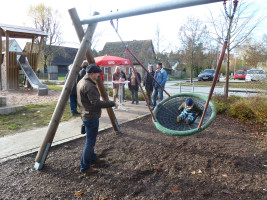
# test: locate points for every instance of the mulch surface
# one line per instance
(226, 161)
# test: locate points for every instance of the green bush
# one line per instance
(252, 109)
(241, 110)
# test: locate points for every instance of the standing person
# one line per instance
(123, 78)
(82, 72)
(116, 77)
(161, 77)
(90, 106)
(133, 86)
(73, 95)
(148, 83)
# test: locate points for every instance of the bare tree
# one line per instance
(245, 20)
(254, 52)
(191, 35)
(158, 39)
(46, 19)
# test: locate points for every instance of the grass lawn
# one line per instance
(34, 116)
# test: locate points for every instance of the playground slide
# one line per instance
(32, 77)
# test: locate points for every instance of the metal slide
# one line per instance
(31, 76)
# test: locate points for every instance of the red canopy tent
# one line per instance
(111, 60)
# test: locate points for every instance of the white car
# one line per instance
(255, 75)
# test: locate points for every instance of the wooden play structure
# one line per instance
(12, 62)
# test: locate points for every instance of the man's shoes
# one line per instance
(132, 102)
(90, 171)
(187, 121)
(99, 161)
(179, 119)
(137, 103)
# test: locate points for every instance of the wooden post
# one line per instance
(89, 56)
(39, 50)
(7, 62)
(1, 44)
(32, 45)
(58, 112)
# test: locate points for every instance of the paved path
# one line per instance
(28, 142)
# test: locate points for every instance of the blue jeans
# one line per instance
(89, 156)
(73, 104)
(157, 91)
(185, 114)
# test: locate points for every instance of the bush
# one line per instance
(241, 110)
(252, 109)
(222, 103)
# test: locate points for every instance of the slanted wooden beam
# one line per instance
(90, 58)
(58, 112)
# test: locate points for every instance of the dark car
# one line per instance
(207, 75)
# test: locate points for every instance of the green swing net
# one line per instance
(164, 116)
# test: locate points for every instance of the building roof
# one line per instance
(20, 31)
(63, 55)
(142, 49)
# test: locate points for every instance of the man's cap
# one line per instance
(189, 101)
(93, 69)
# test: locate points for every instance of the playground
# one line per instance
(225, 161)
(223, 158)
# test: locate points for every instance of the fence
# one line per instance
(190, 87)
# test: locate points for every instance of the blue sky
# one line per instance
(132, 28)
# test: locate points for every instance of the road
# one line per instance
(186, 87)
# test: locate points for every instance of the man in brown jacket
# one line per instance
(90, 106)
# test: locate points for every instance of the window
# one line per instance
(105, 70)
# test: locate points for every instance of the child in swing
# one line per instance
(189, 111)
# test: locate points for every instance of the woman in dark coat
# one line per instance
(133, 86)
(148, 80)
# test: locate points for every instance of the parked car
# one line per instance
(240, 74)
(207, 75)
(255, 75)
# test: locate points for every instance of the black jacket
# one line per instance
(148, 80)
(135, 87)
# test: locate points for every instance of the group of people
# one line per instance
(153, 90)
(88, 100)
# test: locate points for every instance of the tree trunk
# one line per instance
(227, 73)
(191, 69)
